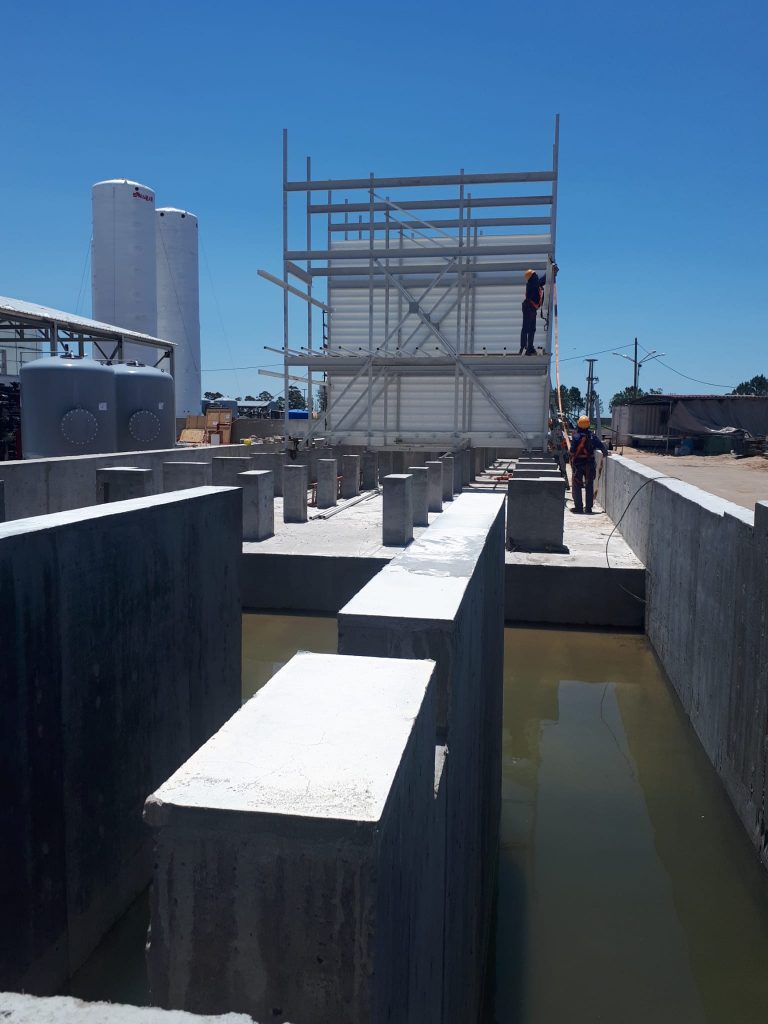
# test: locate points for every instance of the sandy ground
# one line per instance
(742, 481)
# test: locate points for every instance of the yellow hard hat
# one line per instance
(583, 421)
(528, 273)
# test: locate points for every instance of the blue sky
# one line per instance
(662, 208)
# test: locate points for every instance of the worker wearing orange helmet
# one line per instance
(532, 303)
(584, 444)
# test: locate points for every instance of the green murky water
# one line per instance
(628, 891)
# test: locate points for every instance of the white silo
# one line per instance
(178, 302)
(123, 272)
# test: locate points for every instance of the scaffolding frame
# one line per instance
(452, 256)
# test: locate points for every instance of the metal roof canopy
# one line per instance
(419, 329)
(25, 322)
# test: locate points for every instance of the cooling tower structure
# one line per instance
(123, 275)
(178, 301)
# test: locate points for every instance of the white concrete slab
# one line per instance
(22, 1009)
(287, 753)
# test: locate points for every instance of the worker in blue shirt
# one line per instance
(584, 444)
(534, 297)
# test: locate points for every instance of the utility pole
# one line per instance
(634, 383)
(591, 381)
(637, 363)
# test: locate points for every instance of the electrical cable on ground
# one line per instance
(650, 480)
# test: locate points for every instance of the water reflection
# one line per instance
(628, 891)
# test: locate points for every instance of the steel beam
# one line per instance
(438, 251)
(479, 222)
(431, 204)
(429, 180)
(427, 268)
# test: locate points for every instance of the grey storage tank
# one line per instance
(67, 407)
(146, 416)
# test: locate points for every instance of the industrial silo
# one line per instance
(67, 407)
(178, 302)
(123, 274)
(144, 407)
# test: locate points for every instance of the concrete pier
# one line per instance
(177, 476)
(119, 483)
(120, 631)
(350, 476)
(443, 598)
(225, 469)
(2, 501)
(466, 468)
(258, 503)
(272, 461)
(535, 513)
(295, 484)
(370, 471)
(447, 462)
(420, 494)
(327, 483)
(397, 519)
(289, 833)
(435, 486)
(385, 465)
(458, 472)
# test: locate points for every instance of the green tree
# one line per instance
(265, 396)
(212, 396)
(295, 398)
(249, 398)
(571, 399)
(630, 394)
(758, 385)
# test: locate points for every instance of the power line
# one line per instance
(696, 380)
(601, 352)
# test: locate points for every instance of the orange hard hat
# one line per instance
(528, 273)
(584, 421)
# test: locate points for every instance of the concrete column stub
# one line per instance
(350, 476)
(327, 485)
(258, 503)
(295, 483)
(435, 486)
(447, 462)
(397, 526)
(370, 471)
(420, 495)
(178, 476)
(120, 483)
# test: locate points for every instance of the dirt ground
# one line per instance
(742, 481)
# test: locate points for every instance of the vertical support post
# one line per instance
(420, 494)
(326, 483)
(285, 290)
(371, 234)
(350, 476)
(435, 486)
(310, 402)
(370, 471)
(447, 463)
(258, 503)
(397, 527)
(295, 482)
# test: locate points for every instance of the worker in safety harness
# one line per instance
(532, 303)
(584, 444)
(557, 444)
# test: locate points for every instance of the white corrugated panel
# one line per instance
(483, 320)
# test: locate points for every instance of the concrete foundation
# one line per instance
(458, 472)
(370, 471)
(397, 519)
(435, 486)
(350, 476)
(295, 484)
(443, 599)
(258, 504)
(2, 501)
(272, 461)
(420, 494)
(120, 632)
(121, 483)
(327, 483)
(288, 833)
(35, 487)
(225, 470)
(535, 513)
(706, 615)
(447, 463)
(177, 476)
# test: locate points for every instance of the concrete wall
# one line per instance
(443, 598)
(35, 487)
(706, 617)
(304, 583)
(120, 637)
(297, 840)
